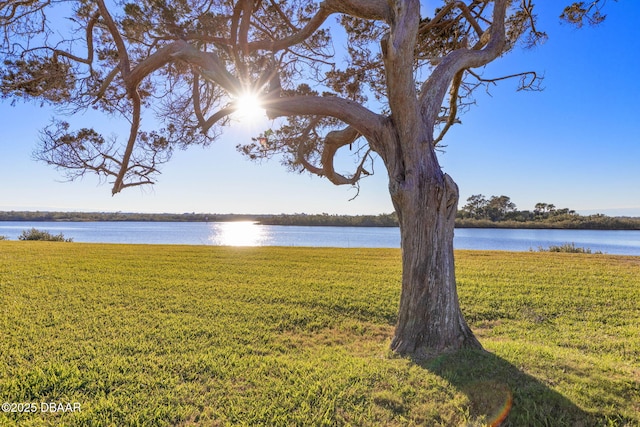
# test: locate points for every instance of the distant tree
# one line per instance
(406, 75)
(476, 207)
(498, 207)
(495, 209)
(540, 207)
(544, 210)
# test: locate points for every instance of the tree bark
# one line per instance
(430, 321)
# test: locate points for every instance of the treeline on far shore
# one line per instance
(120, 216)
(382, 220)
(578, 222)
(560, 219)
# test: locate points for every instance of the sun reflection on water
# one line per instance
(237, 233)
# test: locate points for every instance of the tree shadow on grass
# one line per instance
(500, 394)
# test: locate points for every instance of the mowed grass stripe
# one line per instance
(187, 335)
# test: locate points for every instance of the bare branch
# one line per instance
(89, 39)
(528, 80)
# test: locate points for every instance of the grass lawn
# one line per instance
(143, 335)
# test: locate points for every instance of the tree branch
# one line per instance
(464, 9)
(377, 10)
(117, 38)
(105, 84)
(283, 16)
(300, 155)
(118, 185)
(14, 6)
(276, 45)
(332, 143)
(577, 14)
(435, 87)
(453, 106)
(398, 48)
(245, 24)
(210, 65)
(364, 121)
(529, 80)
(366, 9)
(89, 35)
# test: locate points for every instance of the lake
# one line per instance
(625, 242)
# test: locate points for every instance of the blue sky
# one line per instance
(576, 144)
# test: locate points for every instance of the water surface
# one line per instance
(625, 242)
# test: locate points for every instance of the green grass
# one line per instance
(184, 335)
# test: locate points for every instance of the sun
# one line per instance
(248, 107)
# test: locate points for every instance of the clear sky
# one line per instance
(576, 144)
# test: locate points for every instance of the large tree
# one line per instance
(404, 75)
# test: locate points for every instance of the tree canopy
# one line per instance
(187, 62)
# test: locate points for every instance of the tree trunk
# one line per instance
(430, 321)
